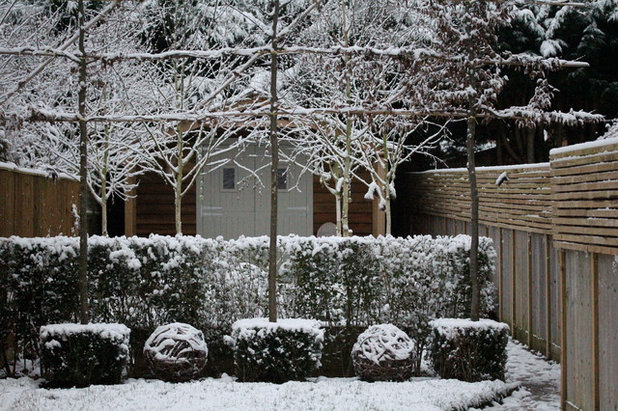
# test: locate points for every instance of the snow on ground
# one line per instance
(540, 380)
(540, 391)
(225, 393)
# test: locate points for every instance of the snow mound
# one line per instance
(451, 327)
(112, 331)
(311, 327)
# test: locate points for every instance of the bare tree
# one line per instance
(464, 70)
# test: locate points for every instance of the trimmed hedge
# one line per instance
(81, 355)
(145, 282)
(287, 350)
(469, 350)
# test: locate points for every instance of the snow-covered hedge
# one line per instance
(361, 281)
(289, 349)
(80, 355)
(210, 283)
(469, 350)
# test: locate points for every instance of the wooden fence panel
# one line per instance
(585, 192)
(579, 367)
(520, 286)
(555, 308)
(33, 205)
(7, 203)
(608, 331)
(507, 278)
(566, 207)
(538, 287)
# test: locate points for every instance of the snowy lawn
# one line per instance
(539, 378)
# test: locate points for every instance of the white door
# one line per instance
(233, 202)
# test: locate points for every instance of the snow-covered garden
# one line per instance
(344, 92)
(535, 381)
(344, 284)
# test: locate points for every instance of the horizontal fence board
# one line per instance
(580, 178)
(601, 157)
(610, 146)
(585, 169)
(587, 186)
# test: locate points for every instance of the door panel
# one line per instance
(245, 210)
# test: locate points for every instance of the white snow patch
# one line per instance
(35, 172)
(451, 327)
(582, 146)
(226, 394)
(502, 178)
(110, 331)
(490, 168)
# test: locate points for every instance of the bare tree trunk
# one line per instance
(345, 195)
(274, 148)
(347, 166)
(387, 211)
(474, 215)
(179, 177)
(104, 223)
(103, 174)
(530, 137)
(338, 214)
(178, 205)
(84, 315)
(499, 143)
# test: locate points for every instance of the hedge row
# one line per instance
(210, 283)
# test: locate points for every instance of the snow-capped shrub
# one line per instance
(469, 350)
(289, 349)
(81, 355)
(176, 352)
(384, 353)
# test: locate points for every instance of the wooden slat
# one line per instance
(7, 203)
(585, 169)
(585, 151)
(603, 157)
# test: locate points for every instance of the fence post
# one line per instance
(500, 285)
(548, 311)
(563, 330)
(513, 281)
(594, 278)
(529, 288)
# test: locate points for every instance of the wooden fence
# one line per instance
(32, 204)
(555, 227)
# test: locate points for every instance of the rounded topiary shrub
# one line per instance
(469, 350)
(289, 349)
(176, 352)
(384, 353)
(83, 354)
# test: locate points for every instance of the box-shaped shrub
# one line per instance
(289, 349)
(469, 350)
(80, 355)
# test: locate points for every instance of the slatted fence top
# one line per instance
(522, 201)
(585, 193)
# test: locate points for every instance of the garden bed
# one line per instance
(539, 379)
(225, 393)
